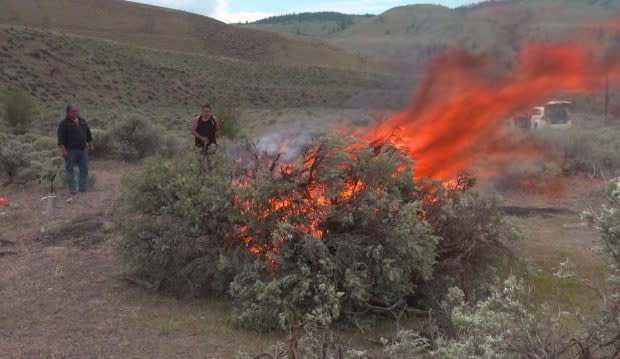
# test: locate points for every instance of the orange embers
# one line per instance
(303, 201)
(458, 114)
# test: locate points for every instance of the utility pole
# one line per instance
(607, 99)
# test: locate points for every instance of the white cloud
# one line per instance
(234, 17)
(218, 9)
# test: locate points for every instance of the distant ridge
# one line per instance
(166, 29)
(317, 24)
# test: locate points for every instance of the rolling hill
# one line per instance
(159, 28)
(111, 77)
(410, 34)
(314, 24)
(117, 58)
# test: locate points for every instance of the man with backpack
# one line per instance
(206, 129)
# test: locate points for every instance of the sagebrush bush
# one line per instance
(174, 219)
(14, 156)
(359, 247)
(591, 151)
(29, 158)
(45, 143)
(230, 121)
(104, 144)
(344, 233)
(169, 146)
(135, 138)
(19, 111)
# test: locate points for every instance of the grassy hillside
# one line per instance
(107, 77)
(159, 28)
(316, 24)
(410, 34)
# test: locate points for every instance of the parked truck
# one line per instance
(554, 114)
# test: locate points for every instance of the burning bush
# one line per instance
(341, 233)
(344, 232)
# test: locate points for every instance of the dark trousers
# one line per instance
(79, 157)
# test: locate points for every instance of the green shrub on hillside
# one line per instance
(104, 144)
(29, 158)
(13, 156)
(591, 151)
(230, 121)
(19, 111)
(135, 138)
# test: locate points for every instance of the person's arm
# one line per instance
(62, 140)
(195, 130)
(89, 138)
(218, 127)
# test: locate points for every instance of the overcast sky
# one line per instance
(251, 10)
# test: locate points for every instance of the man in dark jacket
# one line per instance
(74, 140)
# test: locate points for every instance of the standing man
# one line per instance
(206, 129)
(73, 138)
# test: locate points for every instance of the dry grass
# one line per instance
(549, 240)
(64, 295)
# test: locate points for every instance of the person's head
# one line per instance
(73, 111)
(206, 111)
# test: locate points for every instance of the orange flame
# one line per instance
(457, 114)
(457, 117)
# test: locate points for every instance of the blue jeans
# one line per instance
(79, 157)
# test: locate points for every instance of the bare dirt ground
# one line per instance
(62, 292)
(552, 232)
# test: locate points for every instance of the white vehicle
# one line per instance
(554, 114)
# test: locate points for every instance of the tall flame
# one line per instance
(458, 114)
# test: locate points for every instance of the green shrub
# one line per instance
(336, 254)
(174, 220)
(591, 151)
(104, 145)
(605, 327)
(169, 146)
(19, 111)
(45, 143)
(14, 156)
(230, 121)
(135, 138)
(43, 167)
(343, 234)
(29, 158)
(499, 326)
